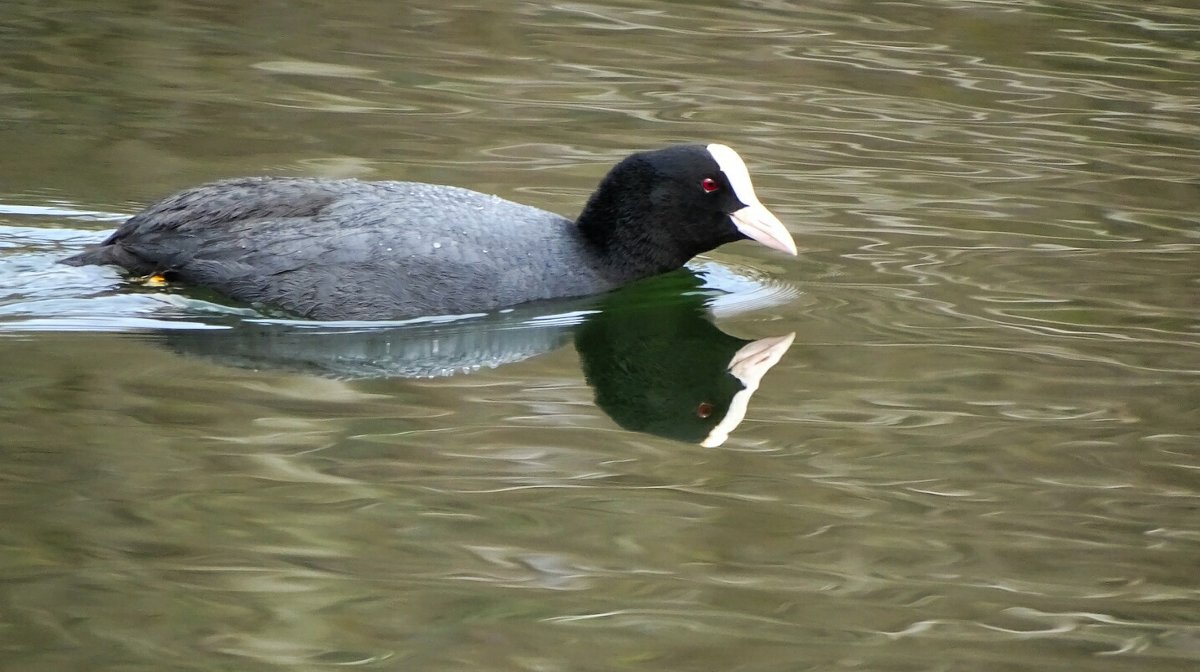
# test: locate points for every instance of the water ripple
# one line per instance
(979, 452)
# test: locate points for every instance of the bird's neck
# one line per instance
(627, 234)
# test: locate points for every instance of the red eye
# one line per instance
(709, 185)
(704, 410)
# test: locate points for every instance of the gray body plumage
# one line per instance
(348, 249)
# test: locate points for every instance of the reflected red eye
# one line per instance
(709, 185)
(704, 410)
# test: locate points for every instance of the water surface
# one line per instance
(980, 451)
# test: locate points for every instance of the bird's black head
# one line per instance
(656, 210)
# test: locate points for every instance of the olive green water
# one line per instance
(982, 451)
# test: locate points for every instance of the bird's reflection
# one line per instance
(654, 359)
(665, 369)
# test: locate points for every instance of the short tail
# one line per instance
(111, 254)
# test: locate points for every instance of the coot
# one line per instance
(354, 250)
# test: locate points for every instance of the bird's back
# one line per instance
(348, 249)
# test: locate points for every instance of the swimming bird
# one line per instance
(357, 250)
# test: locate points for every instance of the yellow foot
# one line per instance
(155, 280)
